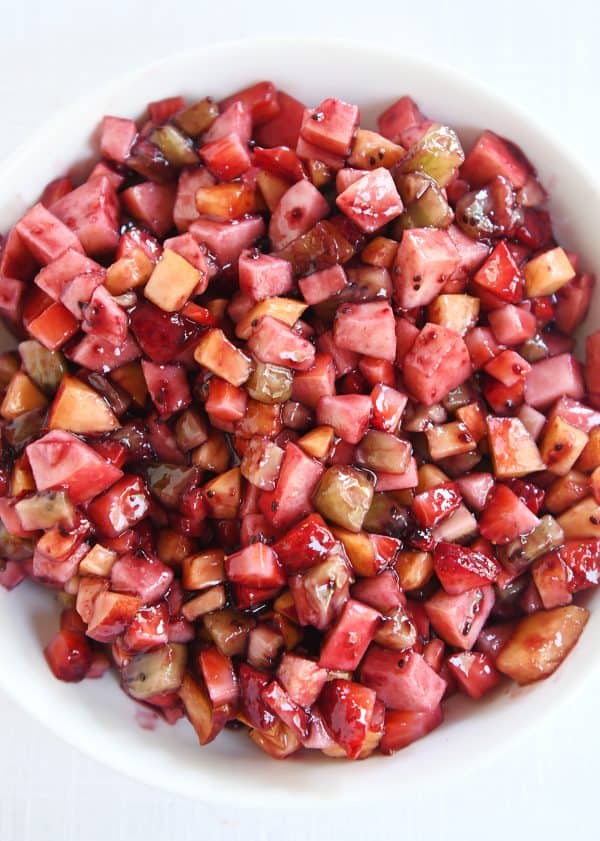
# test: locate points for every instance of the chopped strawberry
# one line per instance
(347, 710)
(460, 568)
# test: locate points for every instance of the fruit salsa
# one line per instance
(295, 428)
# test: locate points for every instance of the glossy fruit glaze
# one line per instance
(295, 425)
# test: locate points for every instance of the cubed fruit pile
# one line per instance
(295, 424)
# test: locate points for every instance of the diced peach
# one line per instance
(582, 520)
(514, 452)
(78, 408)
(172, 282)
(547, 273)
(216, 353)
(285, 310)
(541, 642)
(22, 395)
(561, 446)
(456, 312)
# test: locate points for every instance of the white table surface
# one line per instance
(545, 56)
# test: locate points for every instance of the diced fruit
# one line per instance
(59, 459)
(372, 201)
(403, 728)
(541, 642)
(459, 618)
(474, 672)
(172, 282)
(501, 275)
(460, 568)
(263, 276)
(547, 273)
(347, 710)
(349, 638)
(505, 517)
(493, 155)
(298, 210)
(78, 408)
(561, 446)
(216, 353)
(437, 362)
(402, 680)
(366, 328)
(69, 656)
(344, 496)
(552, 379)
(308, 438)
(514, 452)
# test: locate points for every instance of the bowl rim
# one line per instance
(349, 46)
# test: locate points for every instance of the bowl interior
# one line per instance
(95, 716)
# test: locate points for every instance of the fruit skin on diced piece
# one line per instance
(437, 362)
(112, 614)
(61, 460)
(540, 643)
(372, 201)
(425, 260)
(368, 329)
(305, 545)
(459, 618)
(283, 129)
(255, 566)
(402, 679)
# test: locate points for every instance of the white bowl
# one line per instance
(95, 716)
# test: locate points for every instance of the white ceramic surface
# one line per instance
(95, 716)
